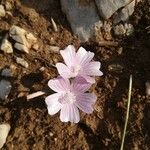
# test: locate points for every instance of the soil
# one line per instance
(32, 127)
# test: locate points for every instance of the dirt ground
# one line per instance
(31, 126)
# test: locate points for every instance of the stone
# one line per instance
(6, 46)
(147, 88)
(8, 5)
(116, 68)
(31, 39)
(22, 62)
(108, 7)
(2, 11)
(126, 29)
(21, 47)
(24, 40)
(6, 72)
(129, 29)
(54, 49)
(82, 17)
(119, 29)
(20, 39)
(4, 130)
(125, 13)
(5, 87)
(15, 30)
(35, 46)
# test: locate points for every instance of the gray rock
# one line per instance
(81, 17)
(22, 62)
(125, 13)
(5, 87)
(4, 130)
(6, 72)
(6, 46)
(108, 7)
(2, 11)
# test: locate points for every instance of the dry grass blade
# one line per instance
(36, 94)
(127, 114)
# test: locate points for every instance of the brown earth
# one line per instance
(32, 127)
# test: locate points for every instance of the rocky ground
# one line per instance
(31, 34)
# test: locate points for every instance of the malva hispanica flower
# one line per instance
(70, 97)
(78, 64)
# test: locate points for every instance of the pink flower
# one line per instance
(78, 64)
(70, 97)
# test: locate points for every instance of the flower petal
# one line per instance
(80, 85)
(69, 113)
(89, 79)
(93, 69)
(59, 84)
(83, 56)
(63, 70)
(53, 105)
(69, 55)
(85, 102)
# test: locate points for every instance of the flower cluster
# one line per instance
(76, 77)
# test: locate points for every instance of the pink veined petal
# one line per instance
(69, 55)
(81, 53)
(80, 85)
(93, 69)
(53, 105)
(83, 56)
(89, 79)
(63, 70)
(85, 102)
(59, 84)
(69, 113)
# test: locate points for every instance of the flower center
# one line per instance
(74, 71)
(67, 98)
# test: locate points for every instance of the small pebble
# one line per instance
(147, 88)
(8, 5)
(15, 30)
(5, 87)
(4, 130)
(6, 46)
(24, 40)
(117, 68)
(42, 69)
(119, 29)
(2, 11)
(22, 62)
(54, 49)
(126, 29)
(129, 29)
(51, 134)
(6, 72)
(21, 47)
(31, 38)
